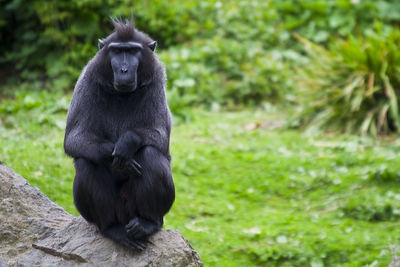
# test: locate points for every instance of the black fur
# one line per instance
(120, 144)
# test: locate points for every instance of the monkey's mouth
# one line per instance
(125, 88)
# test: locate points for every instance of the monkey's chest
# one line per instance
(116, 124)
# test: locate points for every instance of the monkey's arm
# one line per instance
(82, 139)
(156, 121)
(155, 134)
(157, 138)
(91, 147)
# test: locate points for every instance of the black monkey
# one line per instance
(118, 130)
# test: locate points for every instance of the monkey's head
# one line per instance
(129, 54)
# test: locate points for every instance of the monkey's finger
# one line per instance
(134, 163)
(140, 245)
(137, 244)
(117, 163)
(132, 229)
(133, 168)
(132, 233)
(114, 163)
(137, 165)
(132, 224)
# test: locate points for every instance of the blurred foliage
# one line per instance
(354, 85)
(385, 175)
(224, 71)
(373, 206)
(229, 52)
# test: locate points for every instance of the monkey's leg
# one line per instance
(96, 194)
(153, 193)
(97, 198)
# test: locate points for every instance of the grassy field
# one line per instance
(248, 192)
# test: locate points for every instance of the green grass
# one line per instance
(247, 193)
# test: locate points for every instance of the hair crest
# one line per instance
(125, 29)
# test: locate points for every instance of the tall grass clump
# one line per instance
(353, 86)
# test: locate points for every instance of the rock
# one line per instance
(36, 232)
(81, 243)
(26, 216)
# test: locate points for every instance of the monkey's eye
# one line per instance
(131, 51)
(117, 50)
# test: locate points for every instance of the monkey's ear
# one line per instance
(100, 44)
(152, 45)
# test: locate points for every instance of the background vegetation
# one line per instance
(245, 78)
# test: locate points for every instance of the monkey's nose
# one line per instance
(124, 69)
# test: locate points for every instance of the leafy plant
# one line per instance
(52, 40)
(373, 206)
(226, 72)
(354, 85)
(384, 175)
(320, 20)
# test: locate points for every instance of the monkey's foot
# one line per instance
(118, 234)
(139, 228)
(139, 245)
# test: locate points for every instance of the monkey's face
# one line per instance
(125, 59)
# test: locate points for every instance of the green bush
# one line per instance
(353, 86)
(373, 207)
(58, 35)
(54, 39)
(319, 20)
(48, 39)
(384, 176)
(226, 72)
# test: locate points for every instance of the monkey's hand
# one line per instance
(126, 165)
(128, 144)
(103, 152)
(126, 147)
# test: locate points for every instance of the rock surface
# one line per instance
(36, 232)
